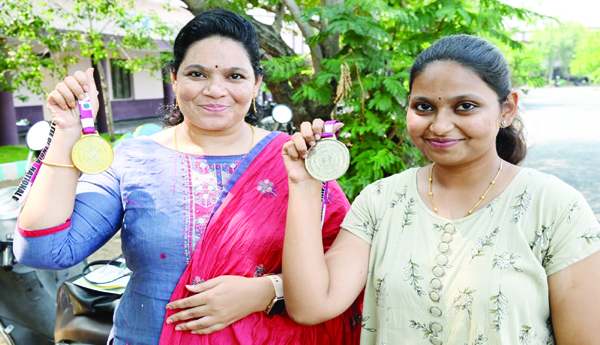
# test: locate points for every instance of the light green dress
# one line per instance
(475, 280)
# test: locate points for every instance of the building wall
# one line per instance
(147, 97)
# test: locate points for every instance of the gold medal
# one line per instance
(92, 154)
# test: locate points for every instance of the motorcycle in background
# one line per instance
(27, 295)
(273, 117)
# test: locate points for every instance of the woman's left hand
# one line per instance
(220, 302)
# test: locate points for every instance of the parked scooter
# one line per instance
(28, 296)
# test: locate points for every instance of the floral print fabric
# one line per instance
(475, 280)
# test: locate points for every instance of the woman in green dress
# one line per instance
(472, 249)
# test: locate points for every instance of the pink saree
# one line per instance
(245, 238)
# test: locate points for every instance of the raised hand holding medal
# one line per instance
(328, 159)
(91, 154)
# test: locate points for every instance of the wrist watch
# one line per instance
(277, 305)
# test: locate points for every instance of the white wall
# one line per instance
(147, 86)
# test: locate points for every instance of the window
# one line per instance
(121, 81)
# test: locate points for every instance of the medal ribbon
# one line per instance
(87, 115)
(25, 186)
(327, 133)
(87, 121)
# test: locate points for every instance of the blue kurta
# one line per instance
(162, 200)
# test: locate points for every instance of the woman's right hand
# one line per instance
(62, 102)
(295, 151)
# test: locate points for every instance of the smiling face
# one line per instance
(215, 84)
(454, 116)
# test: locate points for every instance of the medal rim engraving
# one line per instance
(311, 159)
(96, 140)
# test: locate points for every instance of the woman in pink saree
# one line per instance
(245, 231)
(245, 238)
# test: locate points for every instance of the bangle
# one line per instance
(58, 165)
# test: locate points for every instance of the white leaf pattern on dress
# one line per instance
(490, 206)
(400, 197)
(499, 309)
(480, 340)
(526, 335)
(542, 237)
(408, 213)
(591, 235)
(411, 275)
(368, 228)
(380, 290)
(482, 244)
(465, 299)
(427, 331)
(522, 205)
(572, 207)
(504, 261)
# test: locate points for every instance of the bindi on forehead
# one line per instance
(216, 66)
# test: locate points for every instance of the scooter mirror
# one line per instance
(9, 208)
(282, 113)
(37, 135)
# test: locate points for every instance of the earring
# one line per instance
(504, 123)
(175, 105)
(254, 103)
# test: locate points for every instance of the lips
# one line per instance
(214, 107)
(443, 143)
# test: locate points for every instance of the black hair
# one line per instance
(488, 62)
(220, 23)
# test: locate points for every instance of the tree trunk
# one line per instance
(9, 134)
(550, 71)
(107, 106)
(8, 118)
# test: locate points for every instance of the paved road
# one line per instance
(564, 131)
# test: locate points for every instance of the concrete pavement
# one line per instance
(564, 132)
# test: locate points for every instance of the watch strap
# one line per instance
(277, 284)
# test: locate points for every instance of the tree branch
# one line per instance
(195, 6)
(315, 24)
(279, 14)
(307, 32)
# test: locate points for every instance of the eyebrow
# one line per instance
(453, 99)
(201, 67)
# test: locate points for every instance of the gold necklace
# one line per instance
(478, 201)
(177, 148)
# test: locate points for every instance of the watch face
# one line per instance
(278, 307)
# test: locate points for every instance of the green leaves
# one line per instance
(586, 61)
(38, 46)
(283, 68)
